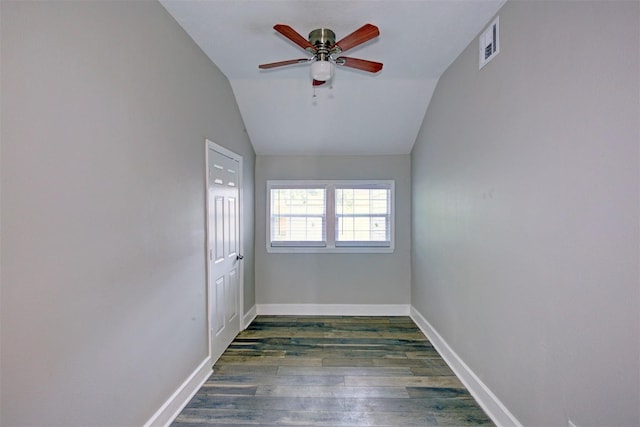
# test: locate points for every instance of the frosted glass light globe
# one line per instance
(322, 70)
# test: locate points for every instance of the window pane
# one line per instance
(363, 215)
(362, 229)
(297, 214)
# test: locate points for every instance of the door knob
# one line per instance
(239, 257)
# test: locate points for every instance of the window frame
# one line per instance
(330, 223)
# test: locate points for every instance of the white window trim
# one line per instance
(330, 247)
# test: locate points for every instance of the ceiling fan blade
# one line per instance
(359, 36)
(359, 64)
(294, 36)
(282, 63)
(318, 82)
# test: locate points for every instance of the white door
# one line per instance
(224, 247)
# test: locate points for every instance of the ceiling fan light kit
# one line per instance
(325, 52)
(322, 71)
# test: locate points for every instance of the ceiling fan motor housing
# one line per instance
(323, 39)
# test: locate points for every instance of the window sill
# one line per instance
(330, 250)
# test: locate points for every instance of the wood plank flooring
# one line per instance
(332, 371)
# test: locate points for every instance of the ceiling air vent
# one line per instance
(489, 43)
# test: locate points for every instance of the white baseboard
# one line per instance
(485, 397)
(179, 399)
(248, 318)
(333, 309)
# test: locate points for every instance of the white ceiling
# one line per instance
(359, 113)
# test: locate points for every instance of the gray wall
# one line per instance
(526, 210)
(105, 109)
(334, 278)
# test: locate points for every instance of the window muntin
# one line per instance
(330, 216)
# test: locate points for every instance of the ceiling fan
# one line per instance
(326, 51)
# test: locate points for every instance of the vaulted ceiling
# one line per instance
(358, 112)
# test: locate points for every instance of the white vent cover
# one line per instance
(489, 42)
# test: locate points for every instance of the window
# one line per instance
(330, 216)
(363, 215)
(298, 216)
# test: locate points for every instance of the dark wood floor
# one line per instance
(332, 371)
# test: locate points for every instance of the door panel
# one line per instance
(233, 294)
(219, 305)
(232, 250)
(219, 221)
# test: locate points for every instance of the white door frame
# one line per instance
(220, 149)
